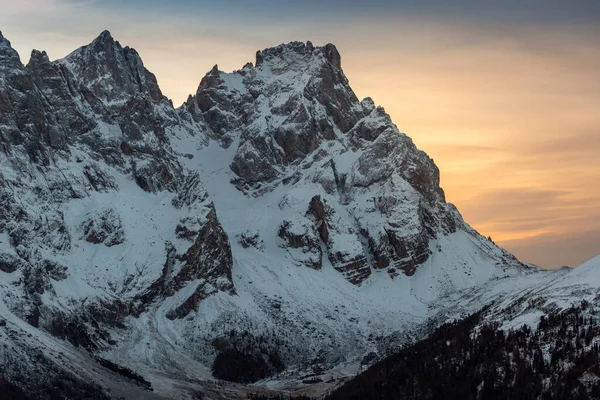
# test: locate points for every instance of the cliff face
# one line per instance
(273, 202)
(295, 122)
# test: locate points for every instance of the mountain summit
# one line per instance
(358, 190)
(273, 219)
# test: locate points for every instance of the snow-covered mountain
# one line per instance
(272, 217)
(539, 338)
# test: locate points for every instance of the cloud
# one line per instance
(555, 250)
(581, 144)
(512, 210)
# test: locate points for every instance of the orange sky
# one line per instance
(509, 113)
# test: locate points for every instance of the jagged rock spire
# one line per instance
(9, 58)
(37, 57)
(289, 53)
(104, 36)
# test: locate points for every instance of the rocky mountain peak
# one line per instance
(111, 72)
(105, 43)
(211, 79)
(105, 36)
(37, 58)
(282, 52)
(332, 55)
(299, 52)
(293, 99)
(9, 58)
(298, 123)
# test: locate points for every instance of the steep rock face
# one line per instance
(209, 261)
(294, 121)
(344, 249)
(281, 110)
(22, 115)
(302, 242)
(116, 86)
(82, 140)
(410, 204)
(55, 84)
(8, 56)
(112, 73)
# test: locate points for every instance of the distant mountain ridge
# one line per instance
(273, 217)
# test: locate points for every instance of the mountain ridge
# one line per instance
(273, 214)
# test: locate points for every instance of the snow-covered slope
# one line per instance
(518, 301)
(273, 214)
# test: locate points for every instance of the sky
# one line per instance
(503, 95)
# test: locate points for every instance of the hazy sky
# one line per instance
(503, 95)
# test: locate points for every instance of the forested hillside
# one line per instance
(464, 360)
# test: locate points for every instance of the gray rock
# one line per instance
(103, 226)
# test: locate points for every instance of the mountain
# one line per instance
(541, 343)
(272, 227)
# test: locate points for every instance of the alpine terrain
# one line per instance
(273, 234)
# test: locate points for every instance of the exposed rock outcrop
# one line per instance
(103, 226)
(209, 262)
(302, 242)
